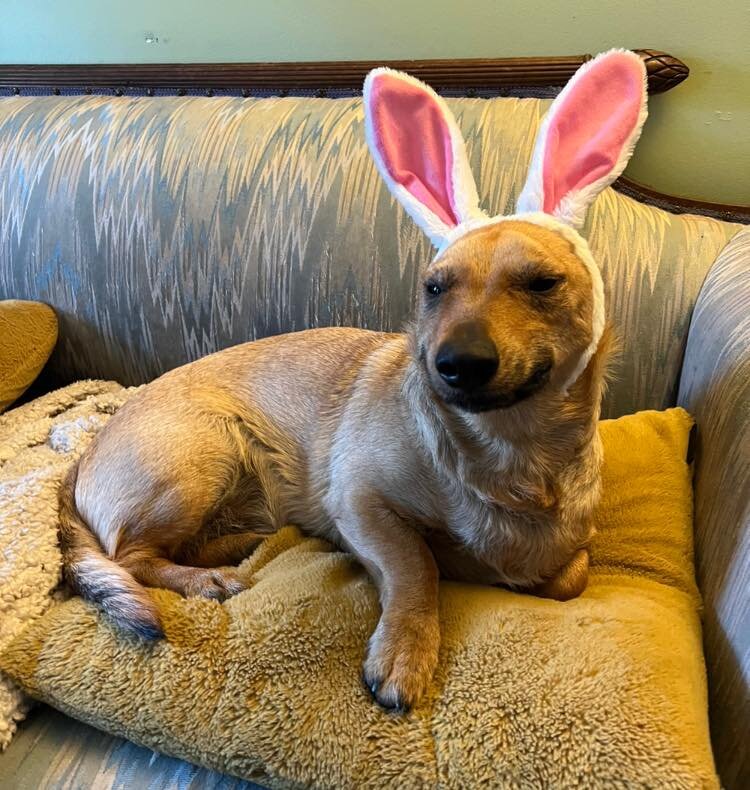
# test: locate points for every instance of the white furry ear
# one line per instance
(419, 151)
(587, 137)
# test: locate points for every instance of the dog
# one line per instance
(465, 447)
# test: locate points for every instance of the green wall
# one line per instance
(696, 142)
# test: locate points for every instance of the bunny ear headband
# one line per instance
(583, 144)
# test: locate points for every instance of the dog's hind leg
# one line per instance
(152, 570)
(226, 550)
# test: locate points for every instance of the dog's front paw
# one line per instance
(401, 658)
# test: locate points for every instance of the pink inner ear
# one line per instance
(415, 143)
(590, 127)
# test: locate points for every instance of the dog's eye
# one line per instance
(540, 285)
(433, 289)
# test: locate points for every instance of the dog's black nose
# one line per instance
(468, 358)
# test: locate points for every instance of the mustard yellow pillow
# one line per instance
(28, 333)
(606, 690)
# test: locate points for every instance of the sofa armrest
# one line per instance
(715, 389)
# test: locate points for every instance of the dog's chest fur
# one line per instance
(491, 543)
(507, 514)
(480, 540)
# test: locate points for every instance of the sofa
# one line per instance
(161, 229)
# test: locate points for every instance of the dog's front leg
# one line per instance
(403, 650)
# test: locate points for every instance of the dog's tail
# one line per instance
(96, 577)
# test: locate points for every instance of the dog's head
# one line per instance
(511, 304)
(504, 312)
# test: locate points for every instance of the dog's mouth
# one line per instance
(487, 399)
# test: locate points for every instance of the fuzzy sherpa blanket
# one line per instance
(38, 441)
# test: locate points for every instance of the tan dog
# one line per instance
(467, 447)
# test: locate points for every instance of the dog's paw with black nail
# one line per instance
(401, 659)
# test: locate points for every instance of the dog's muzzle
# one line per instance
(468, 359)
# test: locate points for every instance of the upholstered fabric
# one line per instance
(715, 386)
(163, 229)
(28, 333)
(52, 752)
(604, 690)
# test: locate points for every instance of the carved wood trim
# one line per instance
(679, 205)
(474, 74)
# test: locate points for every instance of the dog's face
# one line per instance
(504, 313)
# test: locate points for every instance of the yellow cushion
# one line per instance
(28, 333)
(605, 690)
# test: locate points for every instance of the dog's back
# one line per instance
(245, 430)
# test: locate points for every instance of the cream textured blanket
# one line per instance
(38, 441)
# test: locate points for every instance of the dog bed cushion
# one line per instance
(28, 333)
(606, 690)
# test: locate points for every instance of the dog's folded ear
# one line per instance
(587, 137)
(419, 151)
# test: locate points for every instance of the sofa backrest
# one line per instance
(162, 229)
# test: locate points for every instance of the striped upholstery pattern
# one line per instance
(164, 229)
(52, 752)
